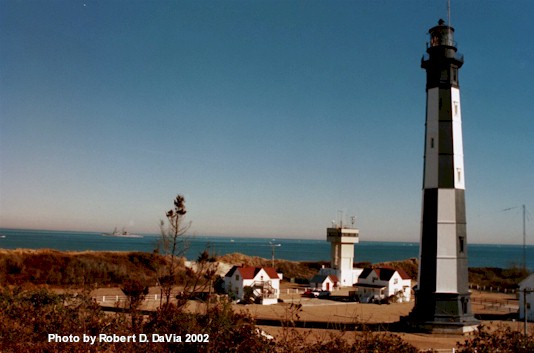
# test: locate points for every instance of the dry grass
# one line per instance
(52, 267)
(60, 268)
(290, 269)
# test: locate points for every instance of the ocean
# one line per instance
(480, 255)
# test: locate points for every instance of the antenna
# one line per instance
(449, 13)
(524, 242)
(273, 245)
(353, 220)
(524, 208)
(340, 214)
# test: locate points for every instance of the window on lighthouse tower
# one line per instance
(444, 76)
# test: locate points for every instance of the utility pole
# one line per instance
(524, 240)
(524, 208)
(272, 245)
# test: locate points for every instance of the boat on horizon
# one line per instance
(123, 234)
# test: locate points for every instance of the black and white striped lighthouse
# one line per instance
(442, 301)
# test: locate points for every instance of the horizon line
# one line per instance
(249, 236)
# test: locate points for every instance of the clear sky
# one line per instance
(271, 117)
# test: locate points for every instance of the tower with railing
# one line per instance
(342, 240)
(442, 298)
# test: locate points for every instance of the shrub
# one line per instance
(503, 340)
(27, 316)
(497, 277)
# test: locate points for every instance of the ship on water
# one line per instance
(122, 234)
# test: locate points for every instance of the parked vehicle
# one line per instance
(308, 294)
(323, 294)
(316, 293)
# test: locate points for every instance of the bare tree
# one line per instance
(193, 280)
(136, 292)
(173, 244)
(199, 278)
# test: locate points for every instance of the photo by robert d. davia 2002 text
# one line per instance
(139, 338)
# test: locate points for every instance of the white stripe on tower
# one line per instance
(459, 178)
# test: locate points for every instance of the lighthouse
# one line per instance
(442, 298)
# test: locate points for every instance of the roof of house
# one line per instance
(249, 272)
(383, 273)
(322, 278)
(403, 274)
(527, 281)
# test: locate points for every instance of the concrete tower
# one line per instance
(442, 298)
(342, 241)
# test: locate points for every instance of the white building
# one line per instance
(526, 285)
(380, 283)
(342, 241)
(264, 281)
(324, 282)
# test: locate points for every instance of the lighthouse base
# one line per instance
(442, 313)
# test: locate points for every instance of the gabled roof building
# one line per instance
(324, 282)
(380, 283)
(264, 281)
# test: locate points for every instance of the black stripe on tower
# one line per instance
(461, 235)
(446, 144)
(460, 206)
(442, 73)
(429, 241)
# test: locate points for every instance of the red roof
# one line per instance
(271, 272)
(249, 272)
(384, 273)
(403, 274)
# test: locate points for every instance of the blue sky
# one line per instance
(271, 117)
